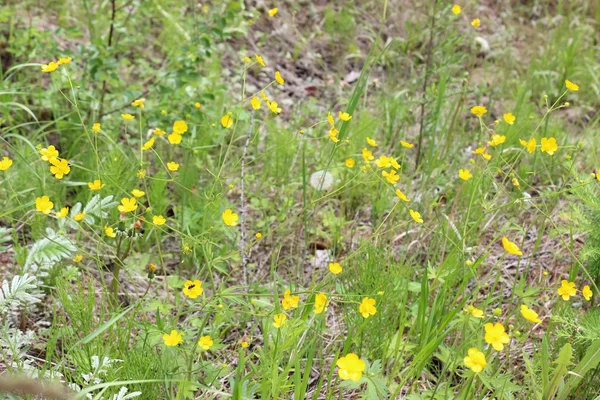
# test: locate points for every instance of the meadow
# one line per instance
(368, 199)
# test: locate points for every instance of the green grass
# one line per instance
(97, 326)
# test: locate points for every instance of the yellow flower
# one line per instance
(496, 336)
(158, 220)
(402, 196)
(273, 107)
(566, 290)
(320, 303)
(205, 342)
(350, 162)
(330, 119)
(174, 138)
(406, 144)
(392, 177)
(173, 339)
(279, 320)
(227, 120)
(49, 154)
(516, 183)
(549, 146)
(127, 117)
(476, 23)
(96, 127)
(475, 360)
(333, 135)
(230, 218)
(245, 344)
(529, 314)
(172, 166)
(278, 78)
(529, 145)
(509, 118)
(273, 11)
(139, 103)
(416, 216)
(255, 103)
(180, 127)
(159, 132)
(350, 367)
(263, 95)
(197, 105)
(77, 258)
(5, 163)
(371, 142)
(148, 145)
(571, 86)
(587, 292)
(50, 67)
(43, 204)
(247, 60)
(486, 156)
(138, 193)
(367, 307)
(62, 213)
(192, 289)
(79, 216)
(64, 60)
(344, 116)
(456, 9)
(259, 60)
(127, 205)
(510, 247)
(475, 312)
(110, 232)
(478, 110)
(497, 140)
(335, 268)
(289, 301)
(59, 168)
(464, 174)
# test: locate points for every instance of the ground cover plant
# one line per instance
(299, 200)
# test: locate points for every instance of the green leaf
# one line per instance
(588, 362)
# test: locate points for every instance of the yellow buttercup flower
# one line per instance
(529, 145)
(49, 154)
(197, 104)
(416, 216)
(571, 86)
(62, 213)
(344, 116)
(529, 314)
(279, 320)
(159, 132)
(406, 144)
(273, 11)
(320, 303)
(158, 220)
(139, 103)
(475, 360)
(245, 344)
(77, 258)
(464, 174)
(110, 232)
(476, 23)
(456, 9)
(127, 117)
(279, 78)
(549, 146)
(172, 339)
(367, 307)
(587, 292)
(79, 216)
(497, 140)
(367, 155)
(402, 196)
(227, 120)
(516, 183)
(172, 166)
(509, 118)
(59, 167)
(289, 301)
(192, 289)
(96, 127)
(330, 119)
(148, 145)
(64, 60)
(258, 235)
(50, 67)
(479, 110)
(43, 204)
(247, 60)
(475, 312)
(350, 162)
(180, 127)
(335, 268)
(174, 138)
(260, 60)
(138, 193)
(128, 205)
(371, 142)
(511, 247)
(205, 342)
(392, 177)
(230, 218)
(333, 135)
(255, 103)
(496, 336)
(350, 367)
(5, 163)
(273, 107)
(566, 290)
